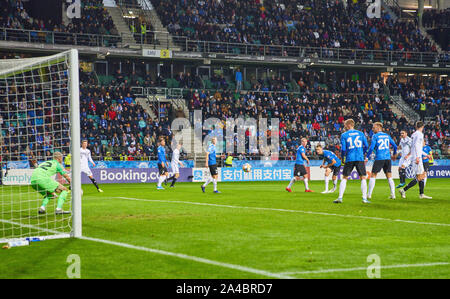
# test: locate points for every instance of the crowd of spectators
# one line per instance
(428, 96)
(35, 123)
(117, 127)
(94, 20)
(309, 23)
(318, 108)
(319, 116)
(436, 18)
(189, 80)
(13, 15)
(34, 116)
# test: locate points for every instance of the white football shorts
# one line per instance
(175, 167)
(87, 171)
(417, 168)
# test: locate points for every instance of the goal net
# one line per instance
(39, 115)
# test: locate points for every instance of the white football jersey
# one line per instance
(417, 145)
(176, 156)
(405, 144)
(85, 158)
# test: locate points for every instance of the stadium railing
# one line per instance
(177, 92)
(53, 37)
(186, 45)
(307, 52)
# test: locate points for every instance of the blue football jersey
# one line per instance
(381, 143)
(425, 152)
(212, 155)
(353, 145)
(329, 156)
(161, 155)
(299, 159)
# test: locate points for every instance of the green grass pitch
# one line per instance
(251, 230)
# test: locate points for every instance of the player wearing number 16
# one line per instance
(353, 146)
(381, 143)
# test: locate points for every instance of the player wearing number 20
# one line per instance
(353, 146)
(381, 143)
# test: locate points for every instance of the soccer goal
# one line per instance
(39, 115)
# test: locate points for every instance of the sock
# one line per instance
(425, 181)
(411, 184)
(291, 182)
(402, 174)
(334, 183)
(208, 180)
(364, 188)
(45, 201)
(174, 179)
(342, 188)
(62, 199)
(306, 183)
(215, 184)
(94, 182)
(161, 180)
(392, 186)
(371, 185)
(327, 180)
(421, 187)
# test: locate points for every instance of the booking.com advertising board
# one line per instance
(232, 174)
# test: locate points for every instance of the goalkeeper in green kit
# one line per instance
(42, 182)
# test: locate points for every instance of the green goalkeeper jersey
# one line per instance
(48, 169)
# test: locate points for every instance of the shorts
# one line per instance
(162, 169)
(299, 170)
(404, 162)
(87, 171)
(386, 165)
(213, 169)
(426, 166)
(417, 168)
(360, 168)
(175, 167)
(44, 185)
(335, 170)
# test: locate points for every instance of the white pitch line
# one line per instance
(31, 226)
(191, 258)
(167, 253)
(283, 210)
(364, 268)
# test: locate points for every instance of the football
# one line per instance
(246, 167)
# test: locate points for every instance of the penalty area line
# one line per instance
(283, 210)
(365, 268)
(190, 258)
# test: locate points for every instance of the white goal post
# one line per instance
(39, 115)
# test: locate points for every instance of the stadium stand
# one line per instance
(95, 27)
(313, 102)
(436, 18)
(114, 123)
(117, 127)
(318, 108)
(437, 23)
(309, 23)
(40, 126)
